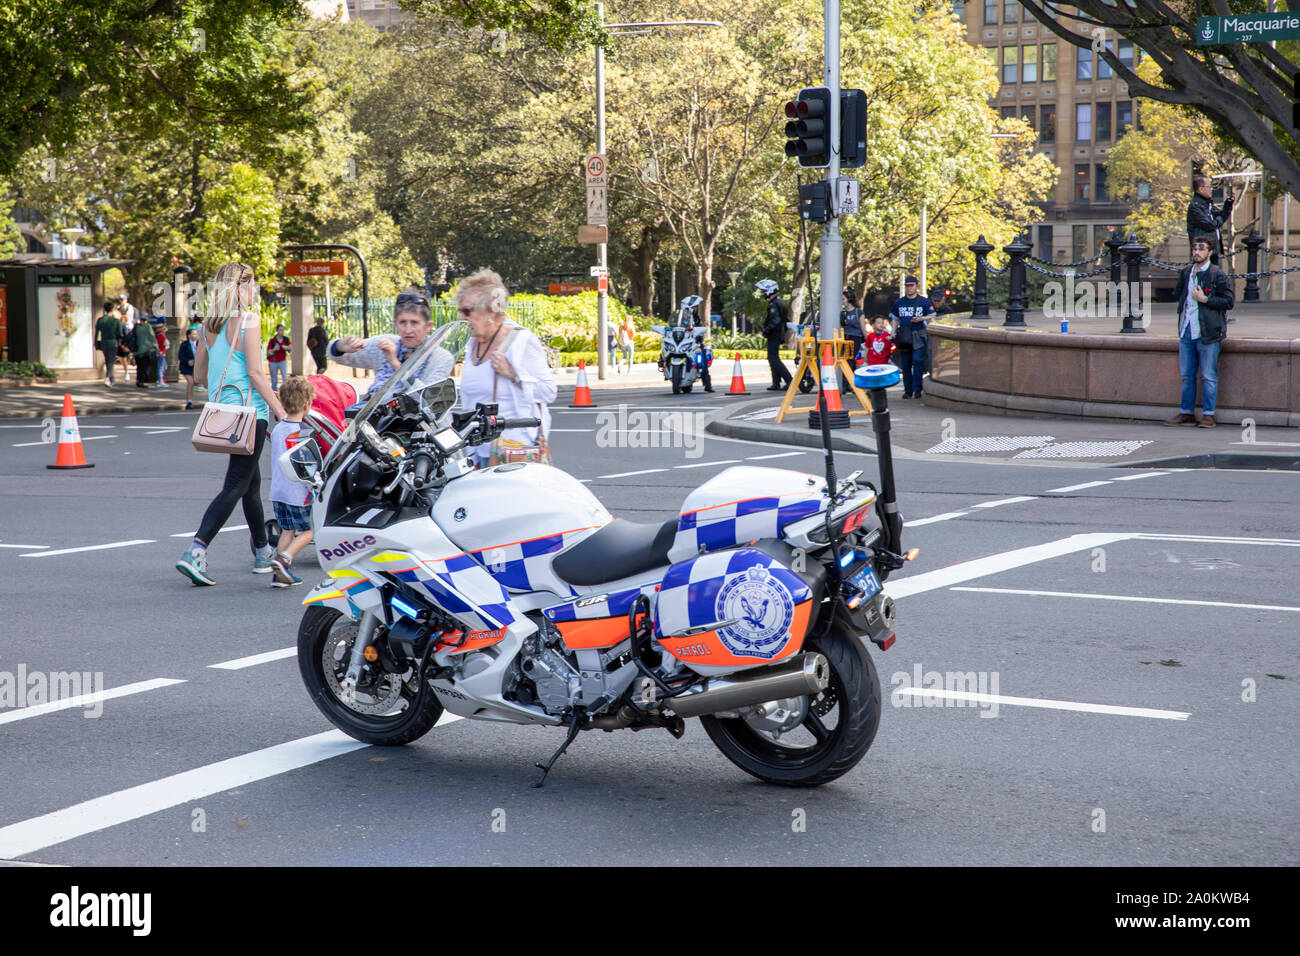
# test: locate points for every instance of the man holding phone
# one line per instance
(1204, 218)
(1204, 298)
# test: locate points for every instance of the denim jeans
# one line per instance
(1191, 355)
(278, 370)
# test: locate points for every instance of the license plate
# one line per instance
(677, 361)
(866, 580)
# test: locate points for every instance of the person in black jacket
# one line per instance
(774, 329)
(1204, 296)
(1203, 218)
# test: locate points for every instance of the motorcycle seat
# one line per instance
(618, 550)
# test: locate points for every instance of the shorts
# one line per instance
(292, 517)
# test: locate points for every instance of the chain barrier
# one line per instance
(1179, 266)
(1279, 252)
(1067, 265)
(1063, 275)
(993, 271)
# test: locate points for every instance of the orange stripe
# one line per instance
(598, 632)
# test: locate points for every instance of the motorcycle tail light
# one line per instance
(888, 642)
(854, 521)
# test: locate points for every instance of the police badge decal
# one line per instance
(763, 610)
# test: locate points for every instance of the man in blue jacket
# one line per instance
(1204, 296)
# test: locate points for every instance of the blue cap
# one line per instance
(877, 376)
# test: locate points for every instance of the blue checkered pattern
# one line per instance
(725, 526)
(461, 587)
(689, 591)
(526, 565)
(610, 605)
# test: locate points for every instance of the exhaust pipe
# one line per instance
(807, 674)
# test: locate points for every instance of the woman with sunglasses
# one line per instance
(384, 354)
(506, 365)
(229, 357)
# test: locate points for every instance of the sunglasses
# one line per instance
(407, 297)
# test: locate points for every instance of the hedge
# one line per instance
(26, 370)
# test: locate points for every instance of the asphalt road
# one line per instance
(1130, 639)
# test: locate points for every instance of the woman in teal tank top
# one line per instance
(234, 293)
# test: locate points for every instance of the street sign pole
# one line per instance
(832, 247)
(602, 294)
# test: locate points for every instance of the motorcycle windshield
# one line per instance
(431, 363)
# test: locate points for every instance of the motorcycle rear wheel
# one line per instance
(812, 753)
(415, 707)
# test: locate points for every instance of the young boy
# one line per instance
(186, 356)
(288, 498)
(880, 344)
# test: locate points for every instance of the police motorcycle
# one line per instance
(683, 357)
(510, 594)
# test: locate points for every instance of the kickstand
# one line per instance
(575, 726)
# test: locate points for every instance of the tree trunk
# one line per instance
(799, 282)
(638, 266)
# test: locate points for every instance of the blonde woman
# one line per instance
(230, 343)
(626, 343)
(504, 363)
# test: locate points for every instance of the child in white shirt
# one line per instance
(288, 498)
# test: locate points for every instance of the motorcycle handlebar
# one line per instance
(519, 423)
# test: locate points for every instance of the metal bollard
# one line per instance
(1113, 244)
(1017, 251)
(1252, 244)
(1133, 252)
(980, 305)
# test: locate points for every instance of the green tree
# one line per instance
(242, 221)
(1147, 169)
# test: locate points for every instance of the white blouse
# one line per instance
(529, 399)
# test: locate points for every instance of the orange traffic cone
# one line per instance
(737, 379)
(581, 393)
(70, 454)
(836, 416)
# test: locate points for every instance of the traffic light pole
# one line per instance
(832, 247)
(602, 296)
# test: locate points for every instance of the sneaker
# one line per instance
(195, 567)
(188, 406)
(262, 565)
(282, 575)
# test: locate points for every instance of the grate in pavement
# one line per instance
(1084, 449)
(958, 446)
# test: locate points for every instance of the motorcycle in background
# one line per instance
(683, 357)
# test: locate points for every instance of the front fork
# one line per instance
(366, 631)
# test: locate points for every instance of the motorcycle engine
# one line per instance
(554, 678)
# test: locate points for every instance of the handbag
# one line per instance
(504, 450)
(223, 428)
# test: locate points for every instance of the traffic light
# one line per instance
(808, 130)
(853, 129)
(810, 124)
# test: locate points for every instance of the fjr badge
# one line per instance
(763, 610)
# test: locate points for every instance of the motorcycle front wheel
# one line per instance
(808, 741)
(677, 379)
(392, 710)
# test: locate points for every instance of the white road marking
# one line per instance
(82, 700)
(240, 663)
(39, 425)
(81, 819)
(25, 547)
(167, 428)
(583, 430)
(29, 444)
(629, 474)
(165, 431)
(1005, 501)
(994, 563)
(706, 464)
(92, 547)
(931, 520)
(636, 408)
(1218, 539)
(1285, 444)
(1145, 474)
(1086, 484)
(1127, 597)
(1048, 704)
(233, 527)
(784, 454)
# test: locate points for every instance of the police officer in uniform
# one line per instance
(774, 329)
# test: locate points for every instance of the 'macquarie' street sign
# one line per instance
(1247, 28)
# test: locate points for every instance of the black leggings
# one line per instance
(243, 480)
